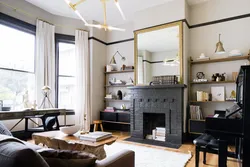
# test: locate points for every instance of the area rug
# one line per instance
(150, 157)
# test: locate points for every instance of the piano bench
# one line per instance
(205, 143)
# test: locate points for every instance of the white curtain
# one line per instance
(45, 60)
(82, 108)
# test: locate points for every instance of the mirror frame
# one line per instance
(159, 27)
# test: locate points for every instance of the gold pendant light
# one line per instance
(104, 26)
(219, 47)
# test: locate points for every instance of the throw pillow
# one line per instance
(4, 130)
(50, 122)
(16, 154)
(66, 158)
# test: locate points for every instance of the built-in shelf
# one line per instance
(107, 86)
(222, 60)
(124, 71)
(115, 100)
(213, 82)
(125, 123)
(125, 112)
(227, 101)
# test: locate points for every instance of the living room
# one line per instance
(166, 82)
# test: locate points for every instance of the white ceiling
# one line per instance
(160, 40)
(92, 9)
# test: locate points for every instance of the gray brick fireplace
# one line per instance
(157, 106)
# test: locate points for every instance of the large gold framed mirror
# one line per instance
(158, 52)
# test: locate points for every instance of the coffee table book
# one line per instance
(95, 136)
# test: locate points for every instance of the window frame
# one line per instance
(65, 39)
(22, 26)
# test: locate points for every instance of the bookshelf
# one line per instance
(198, 126)
(118, 118)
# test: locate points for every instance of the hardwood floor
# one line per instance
(212, 159)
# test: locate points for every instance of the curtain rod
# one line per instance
(32, 16)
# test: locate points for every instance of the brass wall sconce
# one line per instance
(113, 61)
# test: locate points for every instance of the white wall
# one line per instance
(64, 25)
(158, 69)
(218, 9)
(168, 12)
(235, 35)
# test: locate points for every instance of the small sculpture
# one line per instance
(119, 95)
(26, 99)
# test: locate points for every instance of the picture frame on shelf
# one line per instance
(218, 93)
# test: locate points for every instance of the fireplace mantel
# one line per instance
(157, 86)
(166, 100)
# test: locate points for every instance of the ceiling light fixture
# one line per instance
(104, 25)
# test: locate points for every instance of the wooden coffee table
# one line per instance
(58, 140)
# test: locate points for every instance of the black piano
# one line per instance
(235, 123)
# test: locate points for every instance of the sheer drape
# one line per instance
(45, 60)
(82, 105)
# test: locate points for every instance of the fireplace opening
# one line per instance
(154, 126)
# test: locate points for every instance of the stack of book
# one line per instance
(95, 136)
(109, 109)
(159, 133)
(196, 113)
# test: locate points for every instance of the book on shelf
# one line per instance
(160, 138)
(160, 133)
(109, 109)
(196, 113)
(95, 136)
(161, 129)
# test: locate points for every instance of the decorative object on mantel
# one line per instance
(202, 96)
(235, 52)
(104, 25)
(123, 106)
(109, 96)
(232, 96)
(200, 77)
(218, 93)
(119, 94)
(164, 80)
(203, 57)
(234, 75)
(131, 82)
(46, 92)
(113, 62)
(114, 81)
(109, 68)
(219, 47)
(124, 67)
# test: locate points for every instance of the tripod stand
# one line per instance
(46, 97)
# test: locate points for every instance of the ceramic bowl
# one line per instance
(70, 130)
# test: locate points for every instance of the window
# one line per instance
(66, 73)
(17, 59)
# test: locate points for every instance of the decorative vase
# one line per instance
(213, 78)
(119, 95)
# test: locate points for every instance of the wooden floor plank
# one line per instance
(212, 159)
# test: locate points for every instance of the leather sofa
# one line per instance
(15, 153)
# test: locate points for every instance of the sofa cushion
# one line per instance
(4, 130)
(66, 158)
(16, 154)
